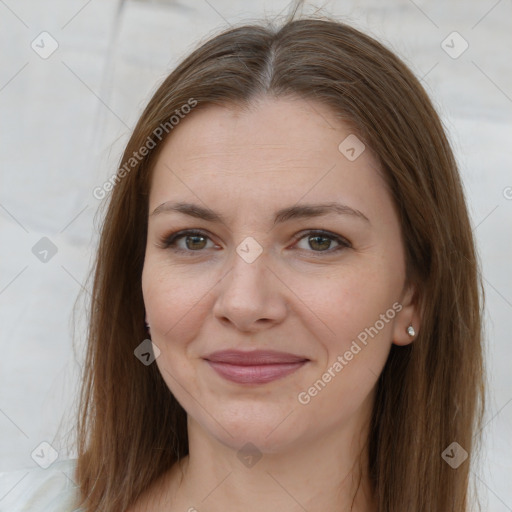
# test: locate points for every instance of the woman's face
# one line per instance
(273, 265)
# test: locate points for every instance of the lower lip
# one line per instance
(258, 374)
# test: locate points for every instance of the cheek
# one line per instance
(358, 310)
(357, 307)
(175, 308)
(348, 301)
(174, 298)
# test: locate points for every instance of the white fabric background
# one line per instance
(64, 121)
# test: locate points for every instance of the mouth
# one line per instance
(255, 367)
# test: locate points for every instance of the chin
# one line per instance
(268, 433)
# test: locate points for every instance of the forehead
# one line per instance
(275, 151)
(275, 128)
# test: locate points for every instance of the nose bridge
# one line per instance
(247, 279)
(249, 292)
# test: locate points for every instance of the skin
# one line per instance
(298, 296)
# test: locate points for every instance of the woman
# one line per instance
(289, 230)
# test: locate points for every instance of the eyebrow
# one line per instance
(292, 212)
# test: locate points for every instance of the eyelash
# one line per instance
(169, 242)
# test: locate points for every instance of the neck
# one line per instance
(326, 473)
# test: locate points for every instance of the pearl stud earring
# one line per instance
(410, 331)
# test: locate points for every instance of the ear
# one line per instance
(408, 315)
(147, 324)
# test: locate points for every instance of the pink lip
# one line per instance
(256, 367)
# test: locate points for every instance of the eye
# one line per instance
(320, 241)
(193, 241)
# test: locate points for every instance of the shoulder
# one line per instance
(40, 490)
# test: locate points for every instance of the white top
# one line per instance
(40, 490)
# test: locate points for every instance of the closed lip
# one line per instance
(253, 358)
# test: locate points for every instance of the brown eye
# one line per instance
(321, 241)
(194, 241)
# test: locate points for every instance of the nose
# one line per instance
(250, 298)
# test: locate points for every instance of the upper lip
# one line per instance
(255, 357)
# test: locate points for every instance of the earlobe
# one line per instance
(147, 325)
(407, 322)
(407, 336)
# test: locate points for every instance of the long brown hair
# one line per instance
(430, 394)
